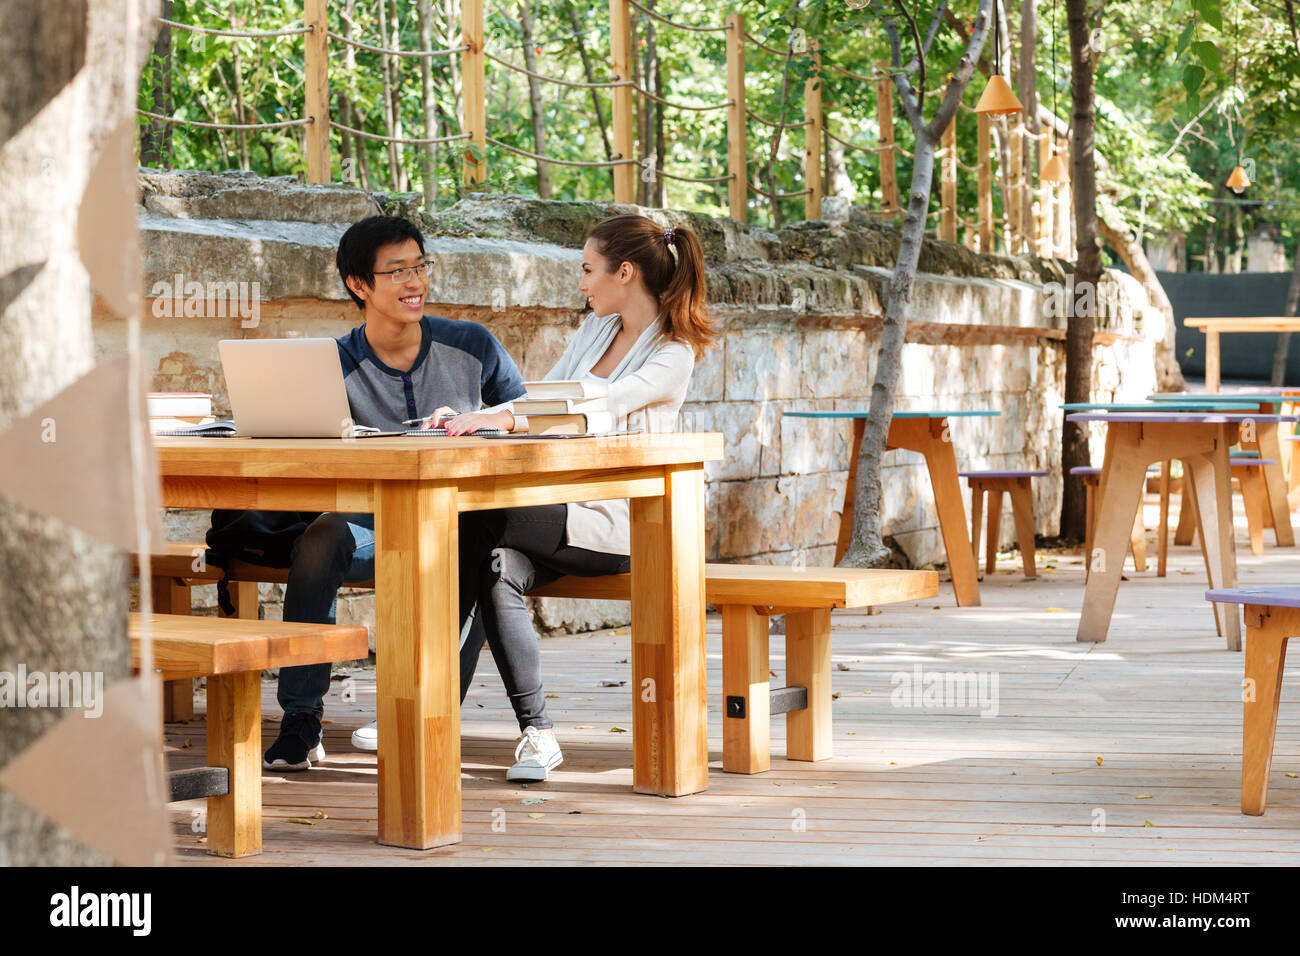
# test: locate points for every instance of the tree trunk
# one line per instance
(535, 105)
(651, 115)
(866, 547)
(392, 115)
(1284, 339)
(780, 130)
(237, 85)
(69, 80)
(1169, 377)
(1087, 270)
(581, 39)
(429, 154)
(155, 135)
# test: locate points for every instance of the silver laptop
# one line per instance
(285, 388)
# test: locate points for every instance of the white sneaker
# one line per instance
(537, 754)
(367, 737)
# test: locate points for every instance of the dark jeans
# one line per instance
(508, 553)
(334, 550)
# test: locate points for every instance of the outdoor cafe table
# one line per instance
(1267, 442)
(415, 487)
(1134, 440)
(1215, 326)
(923, 432)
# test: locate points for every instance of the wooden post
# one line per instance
(317, 91)
(1015, 193)
(985, 214)
(948, 182)
(812, 138)
(473, 66)
(885, 118)
(1045, 198)
(737, 151)
(620, 62)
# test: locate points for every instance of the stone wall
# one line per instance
(800, 313)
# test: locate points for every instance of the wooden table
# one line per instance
(926, 432)
(1267, 442)
(1218, 325)
(1133, 441)
(415, 487)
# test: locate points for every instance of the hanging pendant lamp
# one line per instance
(1238, 180)
(997, 97)
(1053, 170)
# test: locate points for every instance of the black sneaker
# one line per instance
(298, 745)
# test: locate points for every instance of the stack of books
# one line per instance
(169, 411)
(566, 408)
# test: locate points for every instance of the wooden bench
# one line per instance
(1018, 485)
(232, 653)
(1272, 617)
(173, 573)
(746, 595)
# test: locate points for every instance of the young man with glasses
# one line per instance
(398, 365)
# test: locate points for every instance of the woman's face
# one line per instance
(605, 291)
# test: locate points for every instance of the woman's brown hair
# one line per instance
(677, 281)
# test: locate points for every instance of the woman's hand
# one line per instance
(471, 422)
(439, 418)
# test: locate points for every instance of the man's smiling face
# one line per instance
(401, 302)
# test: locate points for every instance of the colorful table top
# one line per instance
(1191, 418)
(1267, 597)
(865, 413)
(1273, 397)
(1187, 406)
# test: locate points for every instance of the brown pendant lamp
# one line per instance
(1238, 180)
(997, 97)
(1053, 170)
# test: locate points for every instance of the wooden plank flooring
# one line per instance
(1126, 752)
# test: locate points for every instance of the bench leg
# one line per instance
(746, 735)
(976, 513)
(1265, 659)
(1255, 499)
(1162, 545)
(244, 595)
(1022, 509)
(808, 664)
(994, 525)
(235, 742)
(1090, 522)
(172, 596)
(1186, 529)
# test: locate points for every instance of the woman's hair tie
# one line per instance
(670, 236)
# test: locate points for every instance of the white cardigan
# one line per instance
(646, 392)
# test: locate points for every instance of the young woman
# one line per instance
(648, 324)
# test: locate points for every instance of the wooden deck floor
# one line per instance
(1126, 752)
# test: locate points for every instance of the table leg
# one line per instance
(1118, 495)
(1162, 545)
(417, 667)
(1213, 482)
(1275, 483)
(976, 513)
(1266, 637)
(846, 512)
(746, 735)
(1022, 508)
(808, 664)
(172, 596)
(1138, 538)
(1255, 497)
(926, 436)
(235, 742)
(1211, 361)
(1090, 522)
(669, 724)
(1186, 529)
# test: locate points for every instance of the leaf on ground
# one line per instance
(623, 661)
(306, 823)
(584, 727)
(1099, 760)
(1057, 610)
(571, 812)
(536, 816)
(528, 801)
(850, 733)
(1147, 823)
(1144, 796)
(187, 744)
(617, 730)
(326, 720)
(842, 667)
(612, 683)
(867, 692)
(829, 785)
(321, 815)
(1293, 775)
(552, 696)
(203, 839)
(835, 696)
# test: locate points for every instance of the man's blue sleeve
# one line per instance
(502, 381)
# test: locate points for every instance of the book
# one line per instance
(157, 425)
(559, 406)
(179, 404)
(576, 390)
(590, 423)
(224, 429)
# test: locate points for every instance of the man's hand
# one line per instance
(471, 422)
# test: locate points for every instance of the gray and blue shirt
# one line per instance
(461, 365)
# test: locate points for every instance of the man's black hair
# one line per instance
(357, 248)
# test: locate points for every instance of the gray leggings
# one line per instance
(510, 552)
